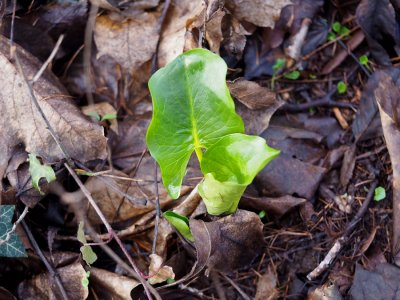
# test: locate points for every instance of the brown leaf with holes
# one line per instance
(21, 122)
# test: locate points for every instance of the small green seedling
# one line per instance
(364, 60)
(277, 67)
(88, 255)
(85, 281)
(292, 75)
(379, 194)
(194, 112)
(108, 117)
(337, 28)
(341, 87)
(262, 214)
(38, 171)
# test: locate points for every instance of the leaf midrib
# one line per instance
(196, 139)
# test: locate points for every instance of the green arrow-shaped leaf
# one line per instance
(230, 166)
(10, 244)
(192, 110)
(181, 223)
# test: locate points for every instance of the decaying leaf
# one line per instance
(43, 286)
(262, 13)
(111, 285)
(159, 272)
(388, 97)
(382, 283)
(378, 21)
(131, 42)
(220, 243)
(119, 199)
(252, 94)
(22, 123)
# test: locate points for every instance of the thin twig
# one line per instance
(340, 242)
(158, 210)
(87, 52)
(154, 61)
(12, 48)
(237, 288)
(49, 59)
(9, 233)
(53, 272)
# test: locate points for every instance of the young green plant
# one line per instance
(194, 112)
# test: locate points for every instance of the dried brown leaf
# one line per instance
(266, 286)
(21, 122)
(262, 13)
(220, 243)
(43, 286)
(172, 40)
(131, 42)
(109, 285)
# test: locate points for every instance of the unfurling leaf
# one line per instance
(88, 255)
(192, 110)
(10, 244)
(38, 171)
(230, 166)
(181, 223)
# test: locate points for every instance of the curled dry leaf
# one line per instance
(21, 122)
(262, 13)
(221, 243)
(43, 286)
(109, 285)
(157, 271)
(327, 291)
(131, 42)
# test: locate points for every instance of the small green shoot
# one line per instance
(379, 194)
(170, 280)
(85, 281)
(94, 115)
(88, 255)
(292, 75)
(262, 214)
(38, 171)
(108, 117)
(337, 28)
(276, 67)
(341, 87)
(181, 223)
(312, 76)
(363, 60)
